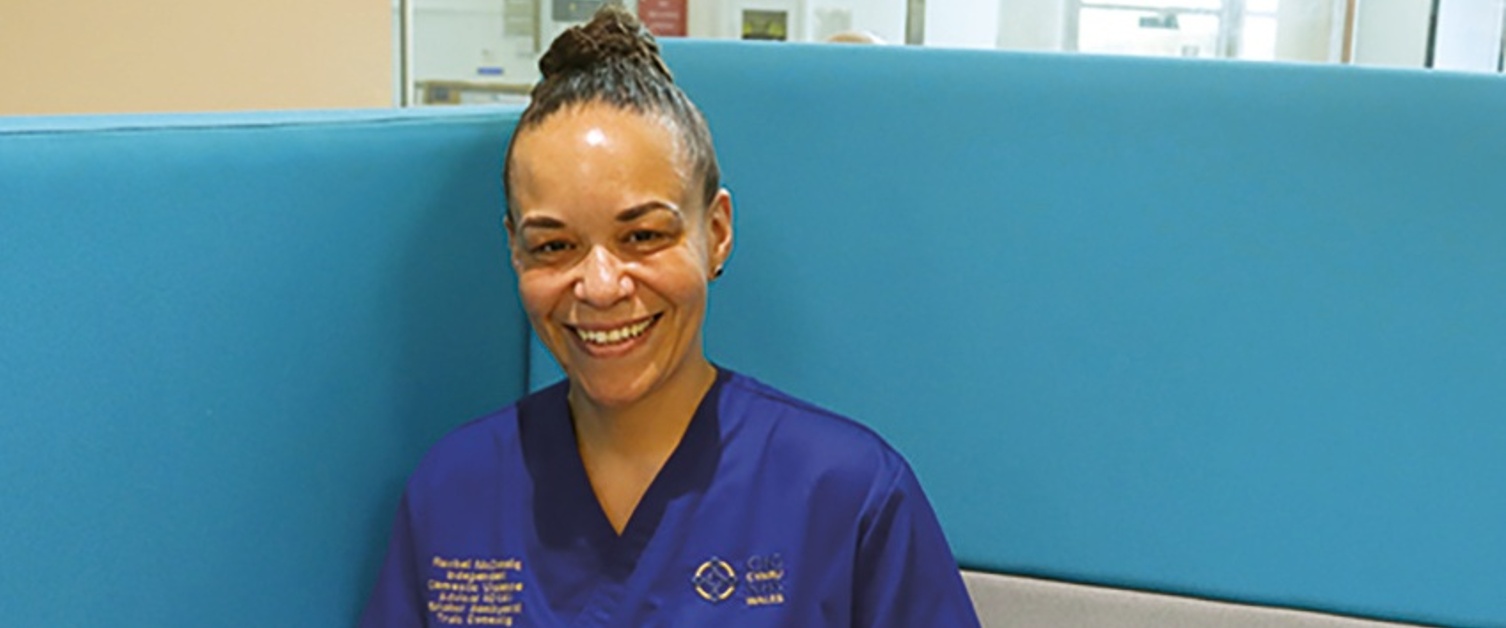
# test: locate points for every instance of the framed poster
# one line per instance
(664, 18)
(575, 10)
(766, 25)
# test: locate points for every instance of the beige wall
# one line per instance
(110, 56)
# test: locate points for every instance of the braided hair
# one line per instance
(614, 60)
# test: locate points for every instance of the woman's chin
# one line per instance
(611, 390)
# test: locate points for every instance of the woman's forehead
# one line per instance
(598, 151)
(601, 125)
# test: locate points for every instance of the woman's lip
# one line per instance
(616, 349)
(609, 326)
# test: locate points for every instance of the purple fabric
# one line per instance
(770, 512)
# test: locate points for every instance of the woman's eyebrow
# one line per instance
(540, 222)
(637, 211)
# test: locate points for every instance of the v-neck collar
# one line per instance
(566, 511)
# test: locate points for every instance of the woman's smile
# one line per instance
(614, 339)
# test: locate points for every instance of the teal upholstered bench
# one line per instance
(224, 342)
(1171, 332)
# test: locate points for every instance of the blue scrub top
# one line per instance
(770, 512)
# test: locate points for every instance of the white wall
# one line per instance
(1032, 24)
(1392, 32)
(1304, 30)
(1469, 35)
(962, 23)
(705, 19)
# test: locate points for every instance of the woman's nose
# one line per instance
(602, 281)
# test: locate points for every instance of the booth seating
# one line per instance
(1167, 342)
(224, 343)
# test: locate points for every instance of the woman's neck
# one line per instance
(647, 429)
(624, 448)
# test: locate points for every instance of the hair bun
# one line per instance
(612, 35)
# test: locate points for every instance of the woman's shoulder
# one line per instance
(469, 450)
(480, 440)
(807, 435)
(479, 450)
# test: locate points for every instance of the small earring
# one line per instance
(715, 274)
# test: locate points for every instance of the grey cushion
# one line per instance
(1009, 601)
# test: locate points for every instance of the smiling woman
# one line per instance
(614, 252)
(650, 487)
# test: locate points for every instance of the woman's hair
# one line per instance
(614, 60)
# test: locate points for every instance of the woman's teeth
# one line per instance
(614, 336)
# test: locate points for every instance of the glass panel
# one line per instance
(1125, 31)
(1258, 42)
(471, 51)
(1211, 5)
(487, 50)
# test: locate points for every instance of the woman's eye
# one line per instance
(643, 236)
(552, 246)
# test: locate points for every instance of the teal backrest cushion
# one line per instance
(1223, 329)
(224, 342)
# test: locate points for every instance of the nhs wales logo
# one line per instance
(760, 582)
(714, 580)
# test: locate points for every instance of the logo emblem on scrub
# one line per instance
(714, 580)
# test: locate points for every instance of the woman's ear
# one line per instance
(719, 230)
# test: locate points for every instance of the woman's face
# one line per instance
(613, 249)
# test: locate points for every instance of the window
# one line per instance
(1244, 29)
